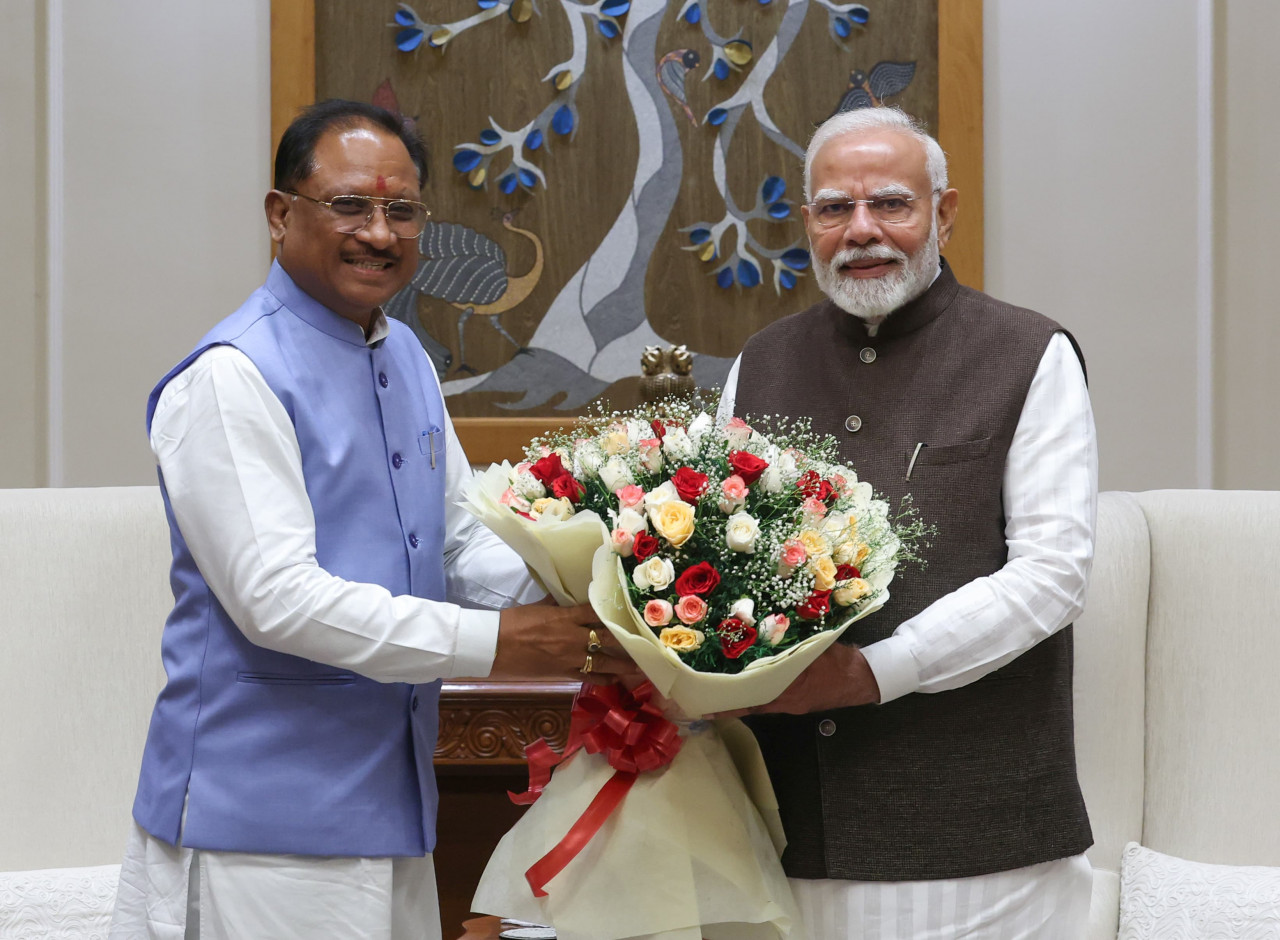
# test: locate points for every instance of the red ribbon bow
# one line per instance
(634, 737)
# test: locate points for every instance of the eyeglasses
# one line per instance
(405, 218)
(829, 213)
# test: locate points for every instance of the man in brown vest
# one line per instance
(925, 768)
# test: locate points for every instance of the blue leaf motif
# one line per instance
(773, 189)
(860, 15)
(562, 120)
(721, 69)
(616, 7)
(693, 14)
(717, 116)
(486, 4)
(490, 137)
(842, 27)
(779, 210)
(404, 18)
(699, 235)
(464, 161)
(787, 279)
(797, 259)
(725, 278)
(534, 140)
(409, 39)
(527, 178)
(607, 27)
(508, 183)
(748, 274)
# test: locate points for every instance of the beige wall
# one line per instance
(22, 405)
(1248, 244)
(160, 115)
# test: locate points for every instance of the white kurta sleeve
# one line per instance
(1050, 505)
(232, 469)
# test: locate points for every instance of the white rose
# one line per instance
(528, 486)
(654, 574)
(637, 431)
(741, 532)
(615, 474)
(631, 521)
(786, 461)
(700, 426)
(587, 459)
(773, 627)
(660, 494)
(745, 610)
(678, 445)
(771, 479)
(548, 509)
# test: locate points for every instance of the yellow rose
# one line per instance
(851, 593)
(814, 543)
(616, 442)
(824, 572)
(844, 553)
(551, 508)
(864, 550)
(682, 639)
(673, 520)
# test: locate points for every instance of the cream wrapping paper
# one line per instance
(693, 850)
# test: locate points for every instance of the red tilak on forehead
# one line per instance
(382, 184)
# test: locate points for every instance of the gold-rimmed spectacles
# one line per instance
(405, 218)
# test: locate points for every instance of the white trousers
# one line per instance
(1049, 901)
(172, 893)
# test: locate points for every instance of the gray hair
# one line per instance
(870, 119)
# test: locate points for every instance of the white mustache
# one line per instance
(870, 253)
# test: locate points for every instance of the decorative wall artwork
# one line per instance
(607, 176)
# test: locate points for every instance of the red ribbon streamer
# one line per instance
(634, 737)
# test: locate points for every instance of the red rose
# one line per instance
(690, 484)
(659, 429)
(565, 485)
(748, 466)
(701, 578)
(735, 637)
(813, 486)
(644, 546)
(548, 469)
(815, 606)
(845, 572)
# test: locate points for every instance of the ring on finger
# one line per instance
(593, 643)
(587, 667)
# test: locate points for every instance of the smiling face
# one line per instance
(349, 274)
(869, 267)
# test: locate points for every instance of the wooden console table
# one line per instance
(484, 727)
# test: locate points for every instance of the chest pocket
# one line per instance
(925, 455)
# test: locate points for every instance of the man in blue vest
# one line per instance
(325, 582)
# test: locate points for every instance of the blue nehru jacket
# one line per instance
(275, 753)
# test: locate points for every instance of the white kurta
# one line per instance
(221, 438)
(1050, 503)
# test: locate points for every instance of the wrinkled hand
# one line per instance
(545, 641)
(839, 678)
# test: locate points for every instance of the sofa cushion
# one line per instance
(1162, 896)
(58, 903)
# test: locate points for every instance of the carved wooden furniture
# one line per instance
(484, 727)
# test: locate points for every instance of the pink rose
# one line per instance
(513, 499)
(737, 432)
(773, 627)
(623, 542)
(657, 613)
(630, 496)
(793, 556)
(734, 494)
(690, 609)
(814, 508)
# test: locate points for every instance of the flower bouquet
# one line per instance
(724, 560)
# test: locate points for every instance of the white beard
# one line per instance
(872, 299)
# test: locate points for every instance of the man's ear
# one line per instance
(947, 206)
(277, 206)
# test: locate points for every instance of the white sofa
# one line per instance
(1176, 703)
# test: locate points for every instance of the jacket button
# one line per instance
(852, 423)
(382, 379)
(413, 704)
(867, 355)
(397, 461)
(413, 540)
(826, 727)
